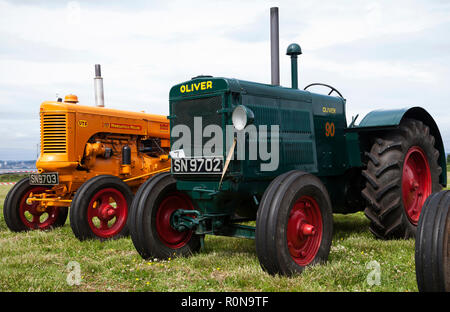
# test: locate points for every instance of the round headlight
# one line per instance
(241, 117)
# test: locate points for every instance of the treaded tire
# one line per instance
(384, 177)
(11, 208)
(433, 244)
(273, 220)
(83, 205)
(144, 221)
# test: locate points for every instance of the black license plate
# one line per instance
(50, 178)
(197, 165)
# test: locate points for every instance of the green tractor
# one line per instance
(288, 160)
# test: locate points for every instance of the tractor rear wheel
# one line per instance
(402, 171)
(21, 216)
(294, 224)
(100, 209)
(433, 244)
(150, 222)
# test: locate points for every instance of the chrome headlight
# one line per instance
(241, 117)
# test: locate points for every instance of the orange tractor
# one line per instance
(93, 159)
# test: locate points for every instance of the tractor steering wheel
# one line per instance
(333, 89)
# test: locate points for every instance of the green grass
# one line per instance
(12, 177)
(37, 261)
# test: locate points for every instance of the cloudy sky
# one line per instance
(379, 54)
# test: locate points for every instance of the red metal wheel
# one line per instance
(107, 212)
(304, 230)
(416, 182)
(168, 235)
(34, 216)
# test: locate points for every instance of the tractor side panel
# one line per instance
(296, 125)
(329, 125)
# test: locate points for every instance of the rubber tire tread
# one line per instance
(142, 226)
(383, 190)
(432, 244)
(11, 208)
(271, 245)
(78, 210)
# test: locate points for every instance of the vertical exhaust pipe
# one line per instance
(293, 50)
(274, 47)
(98, 87)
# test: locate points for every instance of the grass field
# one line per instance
(38, 261)
(11, 177)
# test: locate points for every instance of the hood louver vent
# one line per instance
(53, 133)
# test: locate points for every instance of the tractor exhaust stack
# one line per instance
(293, 50)
(98, 87)
(274, 46)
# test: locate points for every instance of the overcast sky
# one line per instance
(379, 54)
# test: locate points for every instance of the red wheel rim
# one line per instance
(107, 212)
(169, 236)
(304, 230)
(34, 216)
(416, 182)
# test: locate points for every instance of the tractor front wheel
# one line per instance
(151, 229)
(294, 224)
(100, 208)
(23, 216)
(433, 244)
(402, 171)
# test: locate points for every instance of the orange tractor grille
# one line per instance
(53, 133)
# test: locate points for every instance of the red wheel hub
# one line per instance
(304, 230)
(416, 182)
(169, 236)
(34, 216)
(107, 212)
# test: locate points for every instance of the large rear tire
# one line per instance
(402, 171)
(100, 209)
(21, 216)
(150, 228)
(294, 224)
(433, 244)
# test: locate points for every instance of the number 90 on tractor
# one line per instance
(303, 164)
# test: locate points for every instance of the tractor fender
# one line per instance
(387, 119)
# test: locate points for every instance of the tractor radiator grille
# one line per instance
(53, 133)
(206, 108)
